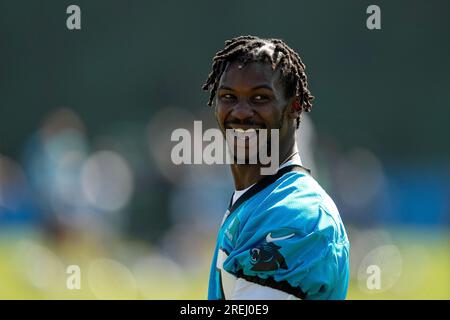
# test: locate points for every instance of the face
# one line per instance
(252, 97)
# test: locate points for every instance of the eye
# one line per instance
(260, 98)
(227, 97)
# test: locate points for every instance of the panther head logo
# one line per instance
(266, 257)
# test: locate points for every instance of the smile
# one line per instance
(244, 134)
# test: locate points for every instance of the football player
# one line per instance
(282, 236)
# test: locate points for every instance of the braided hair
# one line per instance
(274, 51)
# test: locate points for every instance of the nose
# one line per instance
(242, 111)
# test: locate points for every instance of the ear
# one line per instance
(295, 108)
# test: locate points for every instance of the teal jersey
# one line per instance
(285, 232)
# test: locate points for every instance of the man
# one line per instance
(282, 236)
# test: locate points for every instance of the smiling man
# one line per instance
(282, 236)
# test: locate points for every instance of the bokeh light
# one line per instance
(107, 181)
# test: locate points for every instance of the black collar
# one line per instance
(262, 184)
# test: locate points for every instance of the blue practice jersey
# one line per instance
(285, 232)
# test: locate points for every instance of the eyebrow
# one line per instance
(262, 86)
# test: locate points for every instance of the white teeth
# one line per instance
(239, 130)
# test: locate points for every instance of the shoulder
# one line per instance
(297, 201)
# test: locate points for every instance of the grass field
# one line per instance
(32, 268)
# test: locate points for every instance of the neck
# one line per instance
(245, 175)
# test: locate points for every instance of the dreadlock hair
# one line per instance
(274, 51)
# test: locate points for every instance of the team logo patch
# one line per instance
(266, 257)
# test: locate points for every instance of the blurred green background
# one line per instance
(86, 117)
